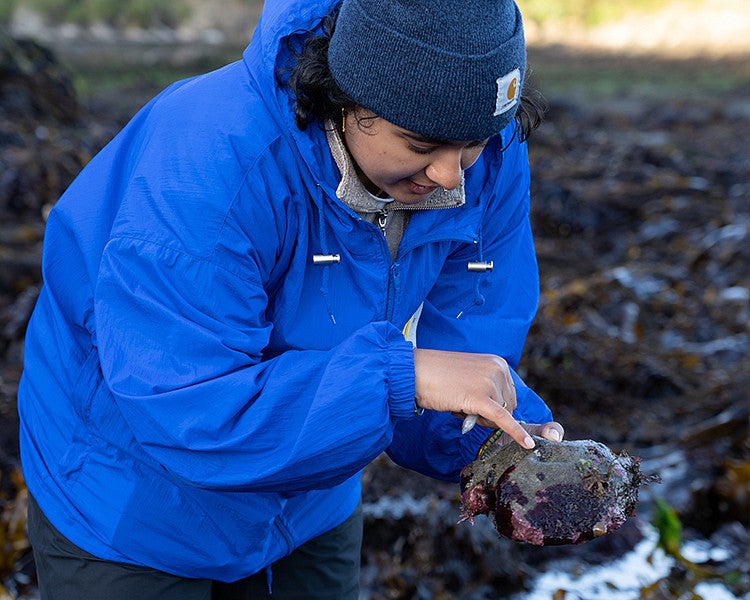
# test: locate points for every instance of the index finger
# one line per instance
(502, 419)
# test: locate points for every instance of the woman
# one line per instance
(234, 287)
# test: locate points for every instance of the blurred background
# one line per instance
(641, 212)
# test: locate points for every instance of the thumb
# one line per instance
(551, 431)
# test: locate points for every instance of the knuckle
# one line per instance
(500, 361)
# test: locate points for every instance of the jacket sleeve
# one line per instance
(180, 343)
(485, 312)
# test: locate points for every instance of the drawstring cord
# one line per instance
(485, 267)
(480, 267)
(325, 259)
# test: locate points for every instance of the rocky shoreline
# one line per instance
(641, 209)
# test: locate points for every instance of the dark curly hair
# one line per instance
(318, 97)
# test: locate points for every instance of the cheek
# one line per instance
(374, 165)
(367, 152)
(469, 158)
(383, 162)
(388, 166)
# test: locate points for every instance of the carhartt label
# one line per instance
(508, 90)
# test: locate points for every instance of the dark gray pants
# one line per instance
(325, 568)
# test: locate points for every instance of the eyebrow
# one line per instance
(426, 139)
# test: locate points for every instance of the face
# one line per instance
(404, 165)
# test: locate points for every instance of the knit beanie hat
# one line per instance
(449, 69)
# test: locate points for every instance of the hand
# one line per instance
(464, 383)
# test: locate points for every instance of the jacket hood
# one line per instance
(282, 18)
(281, 29)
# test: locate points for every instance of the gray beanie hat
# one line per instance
(450, 69)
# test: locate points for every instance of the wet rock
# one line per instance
(558, 493)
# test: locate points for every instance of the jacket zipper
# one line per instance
(393, 272)
(383, 220)
(391, 294)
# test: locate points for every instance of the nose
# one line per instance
(445, 170)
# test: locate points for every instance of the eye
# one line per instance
(420, 149)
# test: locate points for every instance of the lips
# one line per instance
(421, 189)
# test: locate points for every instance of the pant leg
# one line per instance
(325, 568)
(66, 572)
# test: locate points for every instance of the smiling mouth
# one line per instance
(421, 189)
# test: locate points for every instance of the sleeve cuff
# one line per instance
(530, 407)
(400, 382)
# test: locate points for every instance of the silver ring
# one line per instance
(505, 404)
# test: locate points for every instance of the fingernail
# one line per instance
(528, 443)
(554, 435)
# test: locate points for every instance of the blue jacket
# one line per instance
(198, 396)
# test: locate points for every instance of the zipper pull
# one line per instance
(382, 220)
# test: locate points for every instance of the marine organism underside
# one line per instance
(557, 493)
